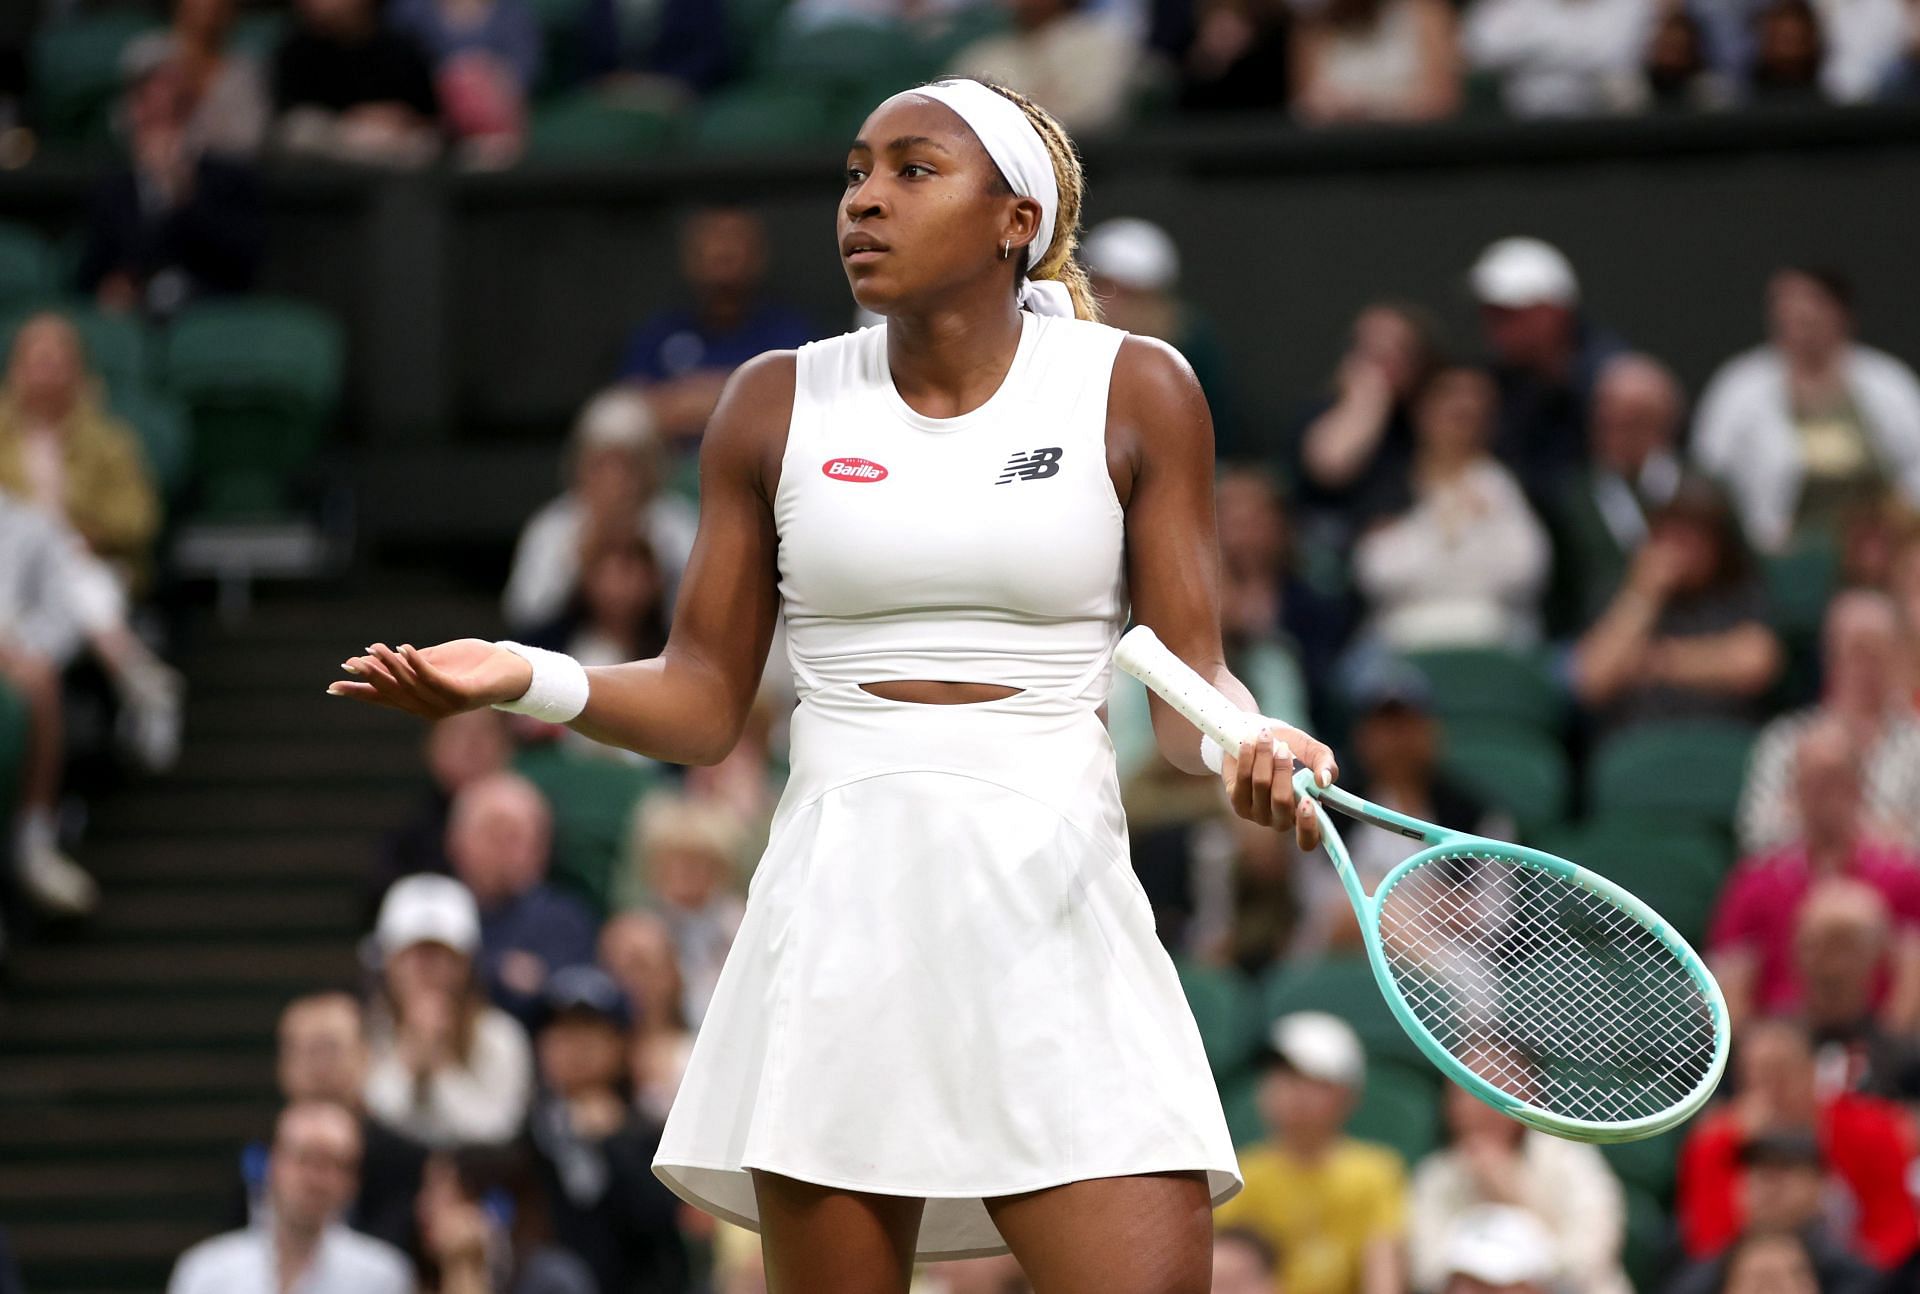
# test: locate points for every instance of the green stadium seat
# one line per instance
(593, 802)
(1673, 866)
(1649, 1239)
(945, 41)
(1227, 1009)
(260, 34)
(1799, 583)
(1691, 768)
(1647, 1165)
(1512, 767)
(260, 378)
(27, 276)
(13, 750)
(840, 54)
(1490, 684)
(1240, 1101)
(118, 346)
(74, 67)
(587, 127)
(1400, 1109)
(760, 117)
(1343, 986)
(165, 433)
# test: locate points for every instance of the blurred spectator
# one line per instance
(1903, 79)
(1863, 43)
(1546, 356)
(1397, 749)
(1903, 581)
(1867, 1144)
(55, 598)
(1788, 52)
(1559, 58)
(473, 1216)
(619, 611)
(301, 1244)
(323, 1057)
(612, 483)
(1076, 63)
(447, 1068)
(1499, 1249)
(1784, 1193)
(1863, 693)
(1375, 60)
(226, 87)
(1753, 926)
(1332, 1207)
(1490, 1159)
(1135, 268)
(1842, 945)
(1244, 1263)
(1685, 636)
(1234, 55)
(1359, 444)
(486, 62)
(1632, 470)
(636, 948)
(499, 838)
(460, 750)
(1812, 422)
(1770, 1262)
(681, 47)
(1675, 68)
(62, 450)
(347, 87)
(595, 1148)
(683, 853)
(1462, 561)
(681, 356)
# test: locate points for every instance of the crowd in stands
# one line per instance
(402, 82)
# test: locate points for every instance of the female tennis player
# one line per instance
(946, 1027)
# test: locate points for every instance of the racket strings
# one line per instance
(1546, 989)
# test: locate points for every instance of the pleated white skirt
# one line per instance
(947, 984)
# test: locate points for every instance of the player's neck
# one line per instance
(950, 361)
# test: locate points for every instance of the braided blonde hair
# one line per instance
(1057, 261)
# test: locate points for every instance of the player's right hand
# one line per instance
(434, 682)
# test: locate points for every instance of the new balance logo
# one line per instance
(1037, 466)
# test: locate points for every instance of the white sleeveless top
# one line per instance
(986, 548)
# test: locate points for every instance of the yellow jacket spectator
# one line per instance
(1332, 1207)
(60, 449)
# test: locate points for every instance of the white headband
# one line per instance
(1017, 149)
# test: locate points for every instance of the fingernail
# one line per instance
(330, 691)
(350, 666)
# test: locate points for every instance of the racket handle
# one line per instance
(1142, 654)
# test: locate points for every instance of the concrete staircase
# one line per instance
(136, 1052)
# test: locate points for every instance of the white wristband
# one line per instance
(558, 692)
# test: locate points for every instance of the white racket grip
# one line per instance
(1142, 654)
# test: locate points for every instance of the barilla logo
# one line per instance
(853, 469)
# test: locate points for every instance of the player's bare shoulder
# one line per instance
(1155, 408)
(748, 431)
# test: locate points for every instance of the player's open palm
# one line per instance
(434, 682)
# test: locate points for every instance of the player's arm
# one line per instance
(1160, 436)
(688, 704)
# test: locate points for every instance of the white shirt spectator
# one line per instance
(1744, 434)
(1078, 67)
(546, 561)
(1565, 1184)
(483, 1102)
(1464, 567)
(243, 1262)
(53, 592)
(1560, 57)
(1769, 816)
(1864, 39)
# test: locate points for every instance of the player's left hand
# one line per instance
(1259, 784)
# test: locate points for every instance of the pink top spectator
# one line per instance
(1761, 903)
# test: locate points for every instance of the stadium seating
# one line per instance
(260, 378)
(1689, 769)
(1400, 1108)
(1227, 1010)
(1513, 767)
(586, 126)
(13, 750)
(117, 345)
(27, 276)
(761, 118)
(165, 434)
(1344, 986)
(1676, 868)
(75, 70)
(1484, 684)
(1649, 1238)
(593, 801)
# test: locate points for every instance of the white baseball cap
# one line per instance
(1501, 1245)
(1321, 1046)
(1519, 272)
(427, 909)
(617, 418)
(1134, 253)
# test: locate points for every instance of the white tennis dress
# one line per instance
(947, 983)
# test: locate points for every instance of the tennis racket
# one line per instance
(1547, 991)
